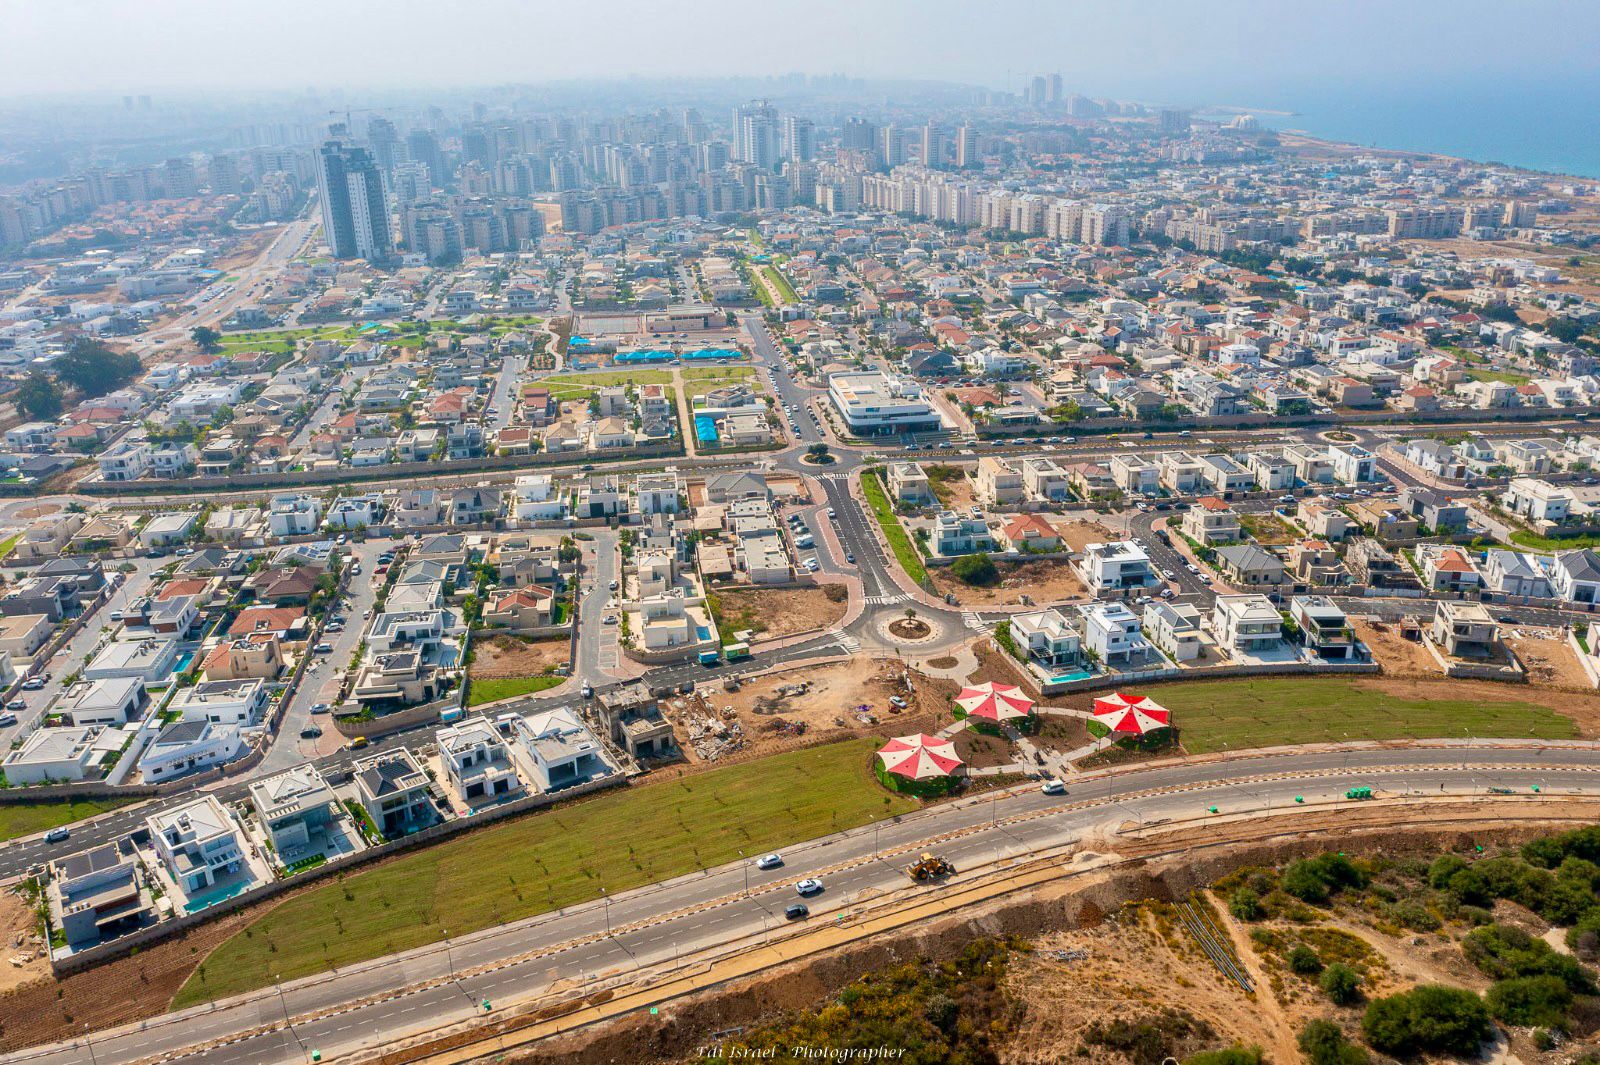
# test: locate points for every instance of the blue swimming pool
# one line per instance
(1077, 674)
(199, 902)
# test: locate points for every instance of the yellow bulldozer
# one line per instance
(929, 867)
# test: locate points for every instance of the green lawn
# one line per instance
(699, 382)
(781, 283)
(489, 689)
(9, 544)
(28, 818)
(905, 552)
(1552, 543)
(544, 861)
(1268, 711)
(602, 378)
(1505, 376)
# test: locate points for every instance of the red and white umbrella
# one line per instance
(1127, 713)
(919, 757)
(994, 702)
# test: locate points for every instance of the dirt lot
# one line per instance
(1000, 667)
(26, 959)
(1396, 654)
(1043, 581)
(1550, 662)
(954, 492)
(778, 612)
(774, 710)
(1079, 534)
(511, 656)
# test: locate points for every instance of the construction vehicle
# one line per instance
(929, 867)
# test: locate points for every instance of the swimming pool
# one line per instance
(199, 902)
(1077, 674)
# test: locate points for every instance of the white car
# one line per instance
(809, 886)
(769, 861)
(1053, 787)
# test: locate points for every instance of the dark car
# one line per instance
(797, 911)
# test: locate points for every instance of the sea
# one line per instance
(1553, 127)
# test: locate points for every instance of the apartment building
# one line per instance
(1210, 521)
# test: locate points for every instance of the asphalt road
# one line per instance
(635, 929)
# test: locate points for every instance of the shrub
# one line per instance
(976, 569)
(1531, 1001)
(1413, 915)
(1304, 961)
(1503, 952)
(1245, 905)
(1427, 1019)
(1323, 1043)
(1341, 983)
(1234, 1055)
(1317, 879)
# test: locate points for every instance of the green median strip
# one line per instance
(905, 552)
(561, 857)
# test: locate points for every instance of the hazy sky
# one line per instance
(1185, 51)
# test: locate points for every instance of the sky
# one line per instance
(1244, 52)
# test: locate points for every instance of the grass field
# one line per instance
(9, 544)
(1265, 712)
(905, 552)
(545, 861)
(26, 819)
(490, 689)
(602, 378)
(781, 283)
(1505, 376)
(697, 382)
(1525, 538)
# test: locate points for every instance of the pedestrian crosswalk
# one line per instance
(973, 621)
(836, 475)
(887, 600)
(850, 644)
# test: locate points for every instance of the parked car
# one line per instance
(319, 708)
(17, 704)
(33, 684)
(360, 743)
(7, 718)
(310, 732)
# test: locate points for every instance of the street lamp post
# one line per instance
(607, 899)
(89, 1042)
(277, 982)
(449, 960)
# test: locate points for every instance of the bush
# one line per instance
(1413, 915)
(978, 569)
(1341, 984)
(1530, 1001)
(1234, 1055)
(1304, 961)
(1427, 1019)
(1323, 1043)
(1245, 905)
(1503, 952)
(1317, 879)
